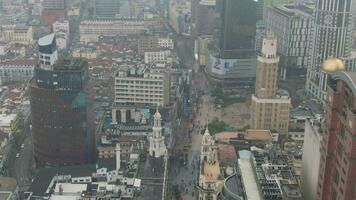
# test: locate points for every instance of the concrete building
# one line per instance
(163, 56)
(311, 159)
(331, 37)
(88, 52)
(48, 54)
(17, 34)
(148, 84)
(90, 31)
(269, 110)
(107, 9)
(62, 26)
(61, 29)
(292, 25)
(157, 148)
(210, 177)
(336, 173)
(15, 71)
(154, 43)
(9, 189)
(267, 4)
(203, 41)
(54, 4)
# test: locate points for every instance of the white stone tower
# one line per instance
(208, 148)
(157, 147)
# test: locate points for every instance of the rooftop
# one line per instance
(7, 184)
(258, 134)
(70, 188)
(70, 64)
(44, 176)
(46, 40)
(248, 176)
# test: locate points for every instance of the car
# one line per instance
(22, 146)
(17, 155)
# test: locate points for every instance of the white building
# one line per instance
(311, 159)
(292, 26)
(90, 31)
(165, 43)
(16, 34)
(157, 147)
(61, 26)
(48, 54)
(210, 177)
(62, 31)
(164, 56)
(13, 71)
(144, 85)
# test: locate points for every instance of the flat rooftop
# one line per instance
(248, 176)
(7, 184)
(258, 134)
(70, 188)
(46, 40)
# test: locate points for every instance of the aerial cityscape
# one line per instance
(177, 99)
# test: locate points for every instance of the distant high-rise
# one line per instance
(237, 28)
(231, 57)
(53, 10)
(53, 4)
(107, 9)
(60, 109)
(269, 110)
(337, 177)
(331, 38)
(205, 17)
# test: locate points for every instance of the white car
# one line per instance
(17, 155)
(22, 146)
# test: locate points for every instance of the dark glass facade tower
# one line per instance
(237, 21)
(61, 116)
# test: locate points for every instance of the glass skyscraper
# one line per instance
(61, 115)
(237, 32)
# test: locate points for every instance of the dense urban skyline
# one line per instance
(177, 99)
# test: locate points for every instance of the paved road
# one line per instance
(22, 166)
(187, 177)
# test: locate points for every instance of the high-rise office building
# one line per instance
(231, 58)
(331, 37)
(60, 109)
(237, 22)
(269, 109)
(107, 9)
(337, 178)
(292, 25)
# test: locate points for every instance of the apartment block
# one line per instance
(144, 85)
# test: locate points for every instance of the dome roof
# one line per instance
(333, 65)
